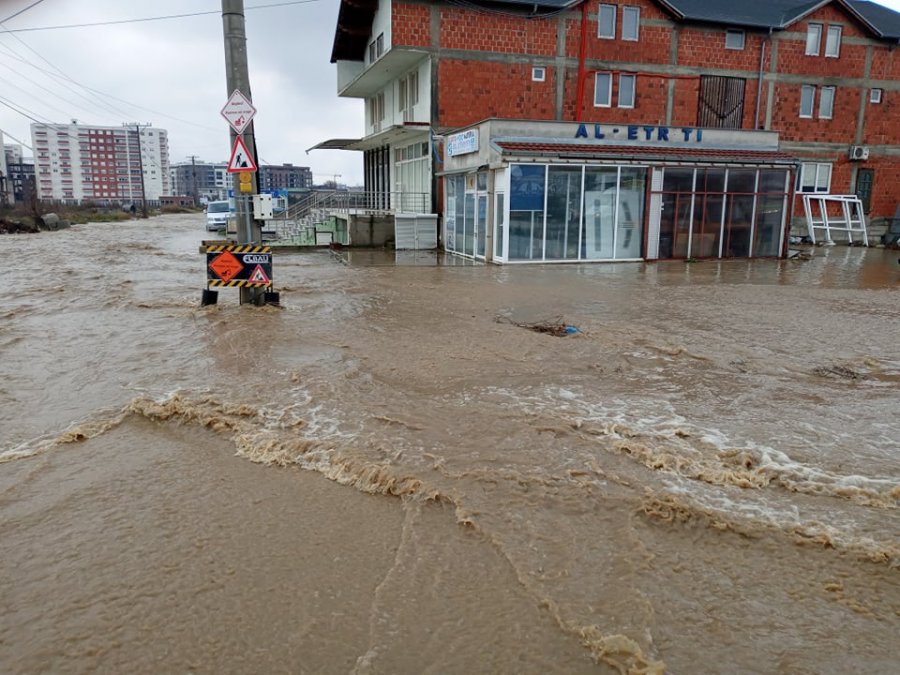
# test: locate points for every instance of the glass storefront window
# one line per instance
(630, 221)
(526, 212)
(563, 212)
(600, 185)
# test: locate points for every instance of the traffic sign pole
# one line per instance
(238, 80)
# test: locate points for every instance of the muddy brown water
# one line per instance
(387, 475)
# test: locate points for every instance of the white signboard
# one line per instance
(462, 143)
(238, 111)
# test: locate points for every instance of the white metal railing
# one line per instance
(850, 219)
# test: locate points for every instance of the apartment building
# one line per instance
(204, 181)
(284, 177)
(596, 130)
(77, 163)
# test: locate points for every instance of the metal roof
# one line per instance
(355, 16)
(887, 21)
(779, 14)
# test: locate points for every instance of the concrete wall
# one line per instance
(371, 230)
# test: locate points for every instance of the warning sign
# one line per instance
(241, 265)
(241, 160)
(258, 276)
(225, 266)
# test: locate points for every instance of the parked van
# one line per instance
(218, 215)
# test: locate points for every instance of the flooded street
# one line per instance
(387, 475)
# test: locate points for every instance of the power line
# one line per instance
(21, 11)
(150, 18)
(108, 107)
(22, 143)
(60, 79)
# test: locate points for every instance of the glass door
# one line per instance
(499, 225)
(481, 226)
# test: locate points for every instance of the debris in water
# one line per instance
(556, 326)
(838, 371)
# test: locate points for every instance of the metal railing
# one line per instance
(305, 221)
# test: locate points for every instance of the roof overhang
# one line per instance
(408, 131)
(537, 149)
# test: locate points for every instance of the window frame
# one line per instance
(735, 31)
(832, 93)
(609, 77)
(633, 78)
(802, 174)
(818, 39)
(632, 9)
(812, 100)
(612, 33)
(834, 46)
(538, 78)
(874, 97)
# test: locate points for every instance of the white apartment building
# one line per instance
(79, 162)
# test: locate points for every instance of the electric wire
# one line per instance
(150, 18)
(21, 11)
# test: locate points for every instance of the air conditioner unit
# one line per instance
(859, 152)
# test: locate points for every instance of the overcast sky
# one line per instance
(176, 68)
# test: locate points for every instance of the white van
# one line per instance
(218, 214)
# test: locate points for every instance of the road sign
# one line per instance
(239, 266)
(258, 276)
(238, 111)
(241, 160)
(225, 266)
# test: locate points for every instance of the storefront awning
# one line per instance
(583, 151)
(393, 134)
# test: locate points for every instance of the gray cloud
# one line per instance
(177, 67)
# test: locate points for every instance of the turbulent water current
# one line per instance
(389, 474)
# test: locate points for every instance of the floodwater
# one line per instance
(388, 475)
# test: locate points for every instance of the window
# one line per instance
(721, 102)
(631, 22)
(826, 103)
(603, 90)
(875, 96)
(807, 100)
(813, 39)
(538, 74)
(734, 39)
(833, 42)
(606, 22)
(379, 45)
(626, 91)
(815, 178)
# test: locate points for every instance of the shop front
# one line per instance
(520, 192)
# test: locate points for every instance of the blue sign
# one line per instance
(634, 132)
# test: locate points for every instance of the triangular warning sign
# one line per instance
(241, 159)
(258, 276)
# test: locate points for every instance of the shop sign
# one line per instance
(640, 133)
(462, 143)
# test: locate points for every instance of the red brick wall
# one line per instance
(652, 45)
(410, 25)
(463, 29)
(791, 127)
(468, 92)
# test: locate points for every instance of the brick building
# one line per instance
(696, 121)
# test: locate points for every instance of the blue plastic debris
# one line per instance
(571, 329)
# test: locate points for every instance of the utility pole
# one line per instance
(194, 179)
(238, 77)
(137, 131)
